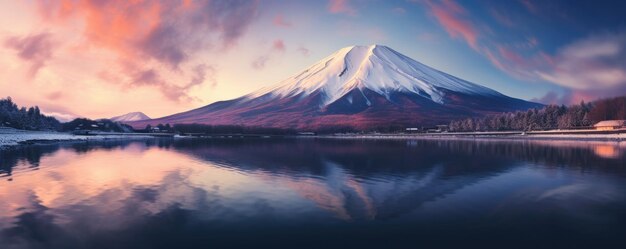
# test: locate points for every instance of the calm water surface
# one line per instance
(312, 193)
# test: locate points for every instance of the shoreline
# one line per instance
(11, 138)
(621, 137)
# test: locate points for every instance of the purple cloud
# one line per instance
(35, 49)
(304, 51)
(55, 95)
(151, 77)
(590, 68)
(341, 6)
(455, 20)
(168, 34)
(162, 44)
(259, 62)
(278, 47)
(596, 62)
(279, 21)
(202, 73)
(182, 32)
(553, 98)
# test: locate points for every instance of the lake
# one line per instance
(314, 193)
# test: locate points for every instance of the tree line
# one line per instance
(229, 129)
(25, 118)
(579, 116)
(95, 125)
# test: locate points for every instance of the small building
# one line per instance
(608, 125)
(442, 128)
(412, 130)
(437, 129)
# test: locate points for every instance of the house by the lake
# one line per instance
(608, 125)
(412, 130)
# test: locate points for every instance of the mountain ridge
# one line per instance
(361, 87)
(375, 65)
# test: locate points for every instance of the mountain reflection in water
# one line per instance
(313, 193)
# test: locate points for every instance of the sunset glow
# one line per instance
(95, 59)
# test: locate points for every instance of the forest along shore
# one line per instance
(580, 135)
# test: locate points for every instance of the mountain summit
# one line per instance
(361, 87)
(377, 68)
(132, 116)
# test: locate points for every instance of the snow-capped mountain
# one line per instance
(361, 87)
(376, 68)
(132, 116)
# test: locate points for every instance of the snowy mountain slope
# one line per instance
(377, 68)
(360, 87)
(132, 116)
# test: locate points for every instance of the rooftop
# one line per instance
(611, 123)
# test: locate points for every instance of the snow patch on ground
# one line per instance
(12, 137)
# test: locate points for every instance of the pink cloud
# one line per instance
(517, 59)
(589, 68)
(570, 97)
(495, 60)
(55, 95)
(176, 93)
(278, 45)
(566, 98)
(551, 98)
(279, 21)
(167, 33)
(35, 49)
(202, 73)
(259, 62)
(516, 64)
(277, 48)
(593, 63)
(512, 56)
(63, 117)
(341, 6)
(450, 15)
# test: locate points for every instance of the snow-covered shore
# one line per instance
(12, 137)
(619, 137)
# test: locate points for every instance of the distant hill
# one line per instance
(132, 116)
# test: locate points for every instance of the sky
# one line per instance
(102, 58)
